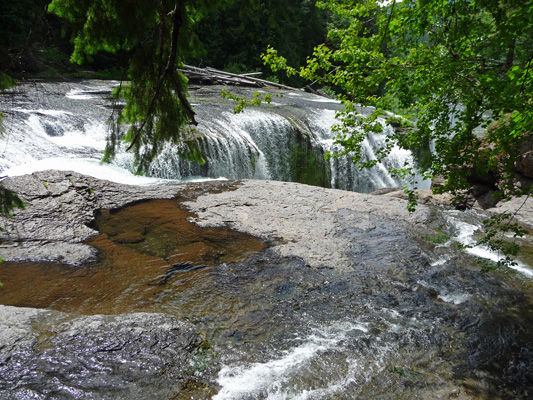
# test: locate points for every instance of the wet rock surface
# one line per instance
(525, 164)
(310, 222)
(60, 208)
(51, 355)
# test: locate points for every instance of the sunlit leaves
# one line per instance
(462, 70)
(499, 232)
(463, 65)
(243, 102)
(277, 62)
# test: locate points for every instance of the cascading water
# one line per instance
(57, 126)
(345, 174)
(62, 125)
(464, 227)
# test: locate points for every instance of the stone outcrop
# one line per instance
(485, 188)
(60, 208)
(309, 221)
(525, 165)
(305, 219)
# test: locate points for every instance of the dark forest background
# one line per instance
(37, 44)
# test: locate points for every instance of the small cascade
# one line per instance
(465, 229)
(285, 377)
(228, 149)
(346, 175)
(286, 141)
(39, 134)
(50, 125)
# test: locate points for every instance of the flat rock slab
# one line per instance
(301, 220)
(311, 222)
(521, 208)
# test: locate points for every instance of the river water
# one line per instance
(413, 317)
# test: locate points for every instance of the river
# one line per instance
(63, 125)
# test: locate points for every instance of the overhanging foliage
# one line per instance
(158, 36)
(454, 67)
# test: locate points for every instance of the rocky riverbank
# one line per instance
(49, 355)
(61, 209)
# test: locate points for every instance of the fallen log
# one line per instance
(215, 78)
(213, 75)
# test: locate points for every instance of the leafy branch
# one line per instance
(243, 102)
(498, 229)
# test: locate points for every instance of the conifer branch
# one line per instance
(168, 74)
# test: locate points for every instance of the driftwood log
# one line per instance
(216, 77)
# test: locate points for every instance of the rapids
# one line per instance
(394, 323)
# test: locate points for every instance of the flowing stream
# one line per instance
(400, 323)
(413, 318)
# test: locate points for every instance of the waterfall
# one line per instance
(63, 125)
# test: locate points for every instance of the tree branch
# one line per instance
(526, 74)
(169, 72)
(388, 23)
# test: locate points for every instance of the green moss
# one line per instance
(439, 238)
(202, 360)
(306, 165)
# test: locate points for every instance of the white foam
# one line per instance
(465, 235)
(440, 261)
(95, 168)
(53, 113)
(269, 377)
(455, 298)
(85, 166)
(78, 94)
(94, 137)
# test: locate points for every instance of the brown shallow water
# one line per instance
(141, 248)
